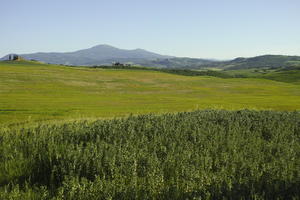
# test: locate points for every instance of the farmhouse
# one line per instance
(14, 57)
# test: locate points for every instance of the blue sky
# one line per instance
(221, 29)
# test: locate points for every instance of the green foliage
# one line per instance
(287, 74)
(192, 155)
(284, 75)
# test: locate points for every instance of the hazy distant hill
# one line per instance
(265, 61)
(106, 55)
(178, 62)
(97, 55)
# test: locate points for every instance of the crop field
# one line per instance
(210, 154)
(33, 92)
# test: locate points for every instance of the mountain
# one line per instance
(106, 55)
(97, 55)
(265, 61)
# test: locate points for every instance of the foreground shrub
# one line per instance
(192, 155)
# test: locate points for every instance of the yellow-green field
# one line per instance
(32, 91)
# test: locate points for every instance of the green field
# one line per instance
(78, 140)
(284, 75)
(31, 91)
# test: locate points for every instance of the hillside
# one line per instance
(204, 154)
(288, 74)
(31, 91)
(259, 62)
(106, 55)
(177, 63)
(100, 54)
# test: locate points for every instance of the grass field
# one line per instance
(206, 154)
(31, 91)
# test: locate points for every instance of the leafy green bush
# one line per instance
(191, 155)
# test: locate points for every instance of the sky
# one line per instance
(220, 29)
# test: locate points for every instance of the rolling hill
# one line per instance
(218, 150)
(31, 91)
(106, 55)
(259, 62)
(97, 55)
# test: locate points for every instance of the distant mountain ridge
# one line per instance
(264, 61)
(106, 55)
(97, 55)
